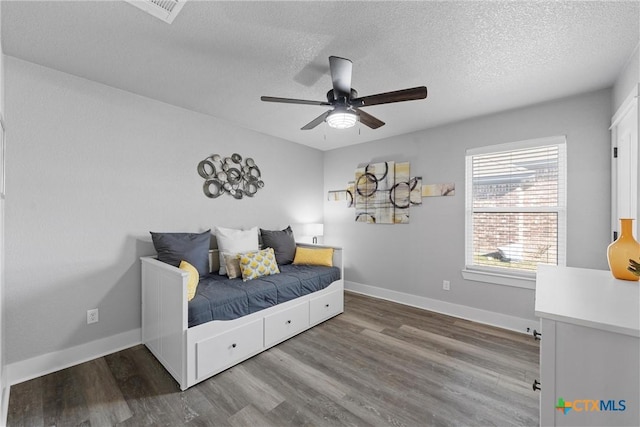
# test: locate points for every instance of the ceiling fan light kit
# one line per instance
(341, 118)
(345, 102)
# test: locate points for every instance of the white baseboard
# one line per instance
(34, 367)
(486, 317)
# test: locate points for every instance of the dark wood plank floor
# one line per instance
(379, 363)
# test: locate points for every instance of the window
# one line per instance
(515, 210)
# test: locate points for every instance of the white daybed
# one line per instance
(194, 354)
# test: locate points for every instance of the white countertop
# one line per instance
(592, 298)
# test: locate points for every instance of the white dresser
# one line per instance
(589, 349)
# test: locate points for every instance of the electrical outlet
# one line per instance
(92, 316)
(446, 285)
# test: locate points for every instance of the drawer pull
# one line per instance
(326, 306)
(288, 322)
(233, 345)
(536, 385)
(536, 335)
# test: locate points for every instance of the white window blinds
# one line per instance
(516, 206)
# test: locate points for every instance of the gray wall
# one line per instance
(91, 170)
(628, 79)
(416, 258)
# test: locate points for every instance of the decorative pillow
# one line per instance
(314, 256)
(235, 241)
(192, 281)
(257, 264)
(173, 248)
(232, 264)
(282, 242)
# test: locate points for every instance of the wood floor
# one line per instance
(379, 364)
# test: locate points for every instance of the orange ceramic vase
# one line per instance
(623, 249)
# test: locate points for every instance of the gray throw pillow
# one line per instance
(282, 242)
(190, 247)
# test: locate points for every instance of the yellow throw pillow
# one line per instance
(314, 256)
(192, 281)
(257, 264)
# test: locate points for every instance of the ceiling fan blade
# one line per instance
(315, 122)
(368, 120)
(292, 101)
(340, 75)
(389, 97)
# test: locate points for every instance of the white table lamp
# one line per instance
(314, 230)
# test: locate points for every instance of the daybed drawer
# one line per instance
(285, 324)
(219, 352)
(325, 306)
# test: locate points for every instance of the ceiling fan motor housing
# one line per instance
(340, 100)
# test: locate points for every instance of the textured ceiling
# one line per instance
(218, 58)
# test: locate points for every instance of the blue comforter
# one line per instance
(221, 298)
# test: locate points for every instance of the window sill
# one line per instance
(500, 278)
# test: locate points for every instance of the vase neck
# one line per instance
(625, 227)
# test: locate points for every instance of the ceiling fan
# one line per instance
(345, 101)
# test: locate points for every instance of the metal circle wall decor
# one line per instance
(229, 175)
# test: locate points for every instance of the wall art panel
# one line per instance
(383, 193)
(230, 175)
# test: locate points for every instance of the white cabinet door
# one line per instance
(547, 373)
(594, 374)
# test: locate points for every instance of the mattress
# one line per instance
(221, 298)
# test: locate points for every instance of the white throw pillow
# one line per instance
(235, 241)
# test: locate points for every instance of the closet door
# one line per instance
(624, 167)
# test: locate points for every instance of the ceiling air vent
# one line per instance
(161, 9)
